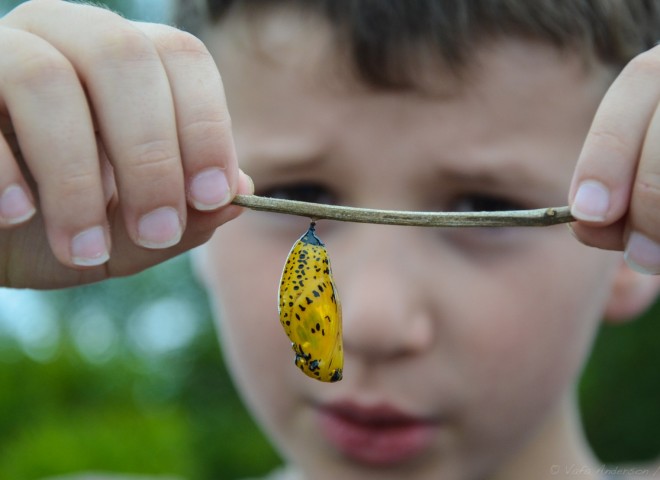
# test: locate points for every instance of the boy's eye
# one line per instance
(303, 192)
(486, 242)
(483, 203)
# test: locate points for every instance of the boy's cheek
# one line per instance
(241, 276)
(243, 292)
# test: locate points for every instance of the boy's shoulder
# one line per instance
(282, 473)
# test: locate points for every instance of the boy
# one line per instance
(461, 346)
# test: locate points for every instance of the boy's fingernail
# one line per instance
(642, 254)
(89, 249)
(15, 205)
(160, 228)
(592, 201)
(209, 189)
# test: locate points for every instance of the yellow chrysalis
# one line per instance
(310, 311)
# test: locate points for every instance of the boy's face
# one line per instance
(459, 344)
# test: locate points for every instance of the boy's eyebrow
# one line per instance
(288, 163)
(484, 176)
(509, 173)
(286, 156)
(283, 164)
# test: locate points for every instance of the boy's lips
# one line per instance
(379, 435)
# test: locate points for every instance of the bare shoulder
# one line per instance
(283, 473)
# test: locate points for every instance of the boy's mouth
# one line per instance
(379, 435)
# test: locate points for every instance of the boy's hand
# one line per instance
(116, 143)
(615, 193)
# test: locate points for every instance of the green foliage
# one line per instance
(620, 391)
(66, 415)
(108, 439)
(166, 411)
(176, 412)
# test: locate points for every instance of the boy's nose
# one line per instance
(387, 306)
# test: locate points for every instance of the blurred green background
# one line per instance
(126, 376)
(123, 376)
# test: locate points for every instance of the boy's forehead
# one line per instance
(290, 99)
(281, 43)
(302, 49)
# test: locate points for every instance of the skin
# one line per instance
(137, 150)
(488, 330)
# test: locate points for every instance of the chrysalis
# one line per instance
(310, 311)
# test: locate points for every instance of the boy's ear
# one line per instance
(632, 293)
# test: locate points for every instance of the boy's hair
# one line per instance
(385, 38)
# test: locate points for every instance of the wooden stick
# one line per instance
(316, 211)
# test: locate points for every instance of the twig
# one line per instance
(516, 218)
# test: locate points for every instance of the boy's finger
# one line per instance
(643, 223)
(52, 123)
(16, 202)
(130, 94)
(203, 122)
(603, 179)
(608, 238)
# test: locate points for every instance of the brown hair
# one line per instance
(382, 36)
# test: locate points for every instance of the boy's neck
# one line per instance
(558, 450)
